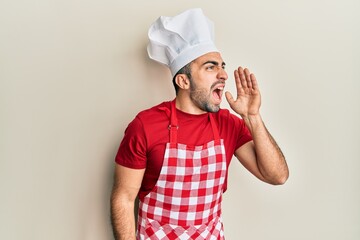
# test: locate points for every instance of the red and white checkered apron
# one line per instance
(186, 200)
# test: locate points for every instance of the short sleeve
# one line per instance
(132, 150)
(244, 135)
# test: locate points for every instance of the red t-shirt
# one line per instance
(143, 145)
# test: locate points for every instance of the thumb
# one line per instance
(229, 98)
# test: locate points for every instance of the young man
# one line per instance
(175, 156)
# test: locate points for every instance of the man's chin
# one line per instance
(213, 108)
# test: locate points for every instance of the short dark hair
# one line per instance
(184, 70)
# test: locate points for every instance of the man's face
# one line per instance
(208, 81)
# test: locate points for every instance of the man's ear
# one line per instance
(182, 81)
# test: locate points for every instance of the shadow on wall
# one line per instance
(158, 79)
(156, 82)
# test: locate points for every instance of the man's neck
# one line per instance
(184, 104)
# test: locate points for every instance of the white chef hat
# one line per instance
(176, 41)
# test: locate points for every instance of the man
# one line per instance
(175, 156)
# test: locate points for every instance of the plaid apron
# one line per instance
(186, 200)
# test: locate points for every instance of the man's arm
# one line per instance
(127, 183)
(262, 156)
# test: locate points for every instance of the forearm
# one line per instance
(122, 218)
(269, 157)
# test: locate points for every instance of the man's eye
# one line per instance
(211, 67)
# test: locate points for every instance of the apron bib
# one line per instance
(186, 200)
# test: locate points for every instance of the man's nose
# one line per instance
(222, 74)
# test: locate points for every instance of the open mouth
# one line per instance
(217, 93)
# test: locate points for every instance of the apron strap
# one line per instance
(214, 127)
(173, 127)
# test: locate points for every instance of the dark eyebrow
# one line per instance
(223, 64)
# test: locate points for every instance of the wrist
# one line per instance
(252, 121)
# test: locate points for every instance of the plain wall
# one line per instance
(74, 73)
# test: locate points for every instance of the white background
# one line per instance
(74, 73)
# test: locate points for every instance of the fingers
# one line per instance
(239, 81)
(245, 81)
(248, 78)
(254, 82)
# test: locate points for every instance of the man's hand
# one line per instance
(262, 156)
(248, 99)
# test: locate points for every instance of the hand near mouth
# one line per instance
(248, 99)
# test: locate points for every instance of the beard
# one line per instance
(201, 99)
